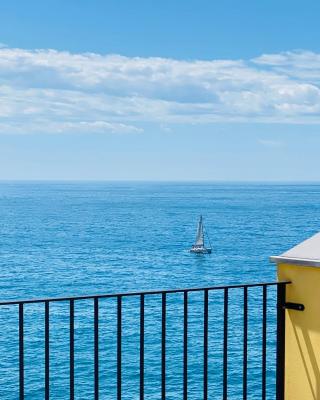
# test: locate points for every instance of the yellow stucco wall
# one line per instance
(302, 376)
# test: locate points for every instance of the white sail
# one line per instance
(199, 247)
(200, 235)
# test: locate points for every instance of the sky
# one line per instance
(159, 90)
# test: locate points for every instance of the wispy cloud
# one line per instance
(271, 143)
(51, 91)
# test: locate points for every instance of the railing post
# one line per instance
(281, 299)
(47, 351)
(185, 345)
(142, 347)
(205, 344)
(119, 347)
(225, 345)
(71, 349)
(245, 344)
(163, 347)
(21, 352)
(96, 347)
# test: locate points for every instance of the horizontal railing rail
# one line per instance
(146, 292)
(163, 362)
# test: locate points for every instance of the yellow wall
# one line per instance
(302, 373)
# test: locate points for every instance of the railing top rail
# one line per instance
(150, 292)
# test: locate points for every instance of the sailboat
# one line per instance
(199, 245)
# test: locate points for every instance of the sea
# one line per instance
(61, 239)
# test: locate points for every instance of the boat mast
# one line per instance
(200, 235)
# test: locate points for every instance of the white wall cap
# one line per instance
(306, 253)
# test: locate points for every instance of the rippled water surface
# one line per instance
(62, 239)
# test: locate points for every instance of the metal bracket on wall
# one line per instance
(294, 306)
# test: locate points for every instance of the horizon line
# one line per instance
(217, 181)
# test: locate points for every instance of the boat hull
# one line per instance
(200, 250)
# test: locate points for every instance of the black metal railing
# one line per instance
(278, 350)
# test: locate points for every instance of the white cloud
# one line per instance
(51, 91)
(300, 65)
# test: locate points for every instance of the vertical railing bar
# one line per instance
(245, 341)
(96, 348)
(185, 345)
(47, 351)
(264, 342)
(119, 346)
(163, 348)
(71, 352)
(142, 347)
(21, 352)
(225, 346)
(280, 374)
(205, 345)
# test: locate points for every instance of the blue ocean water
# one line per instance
(59, 239)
